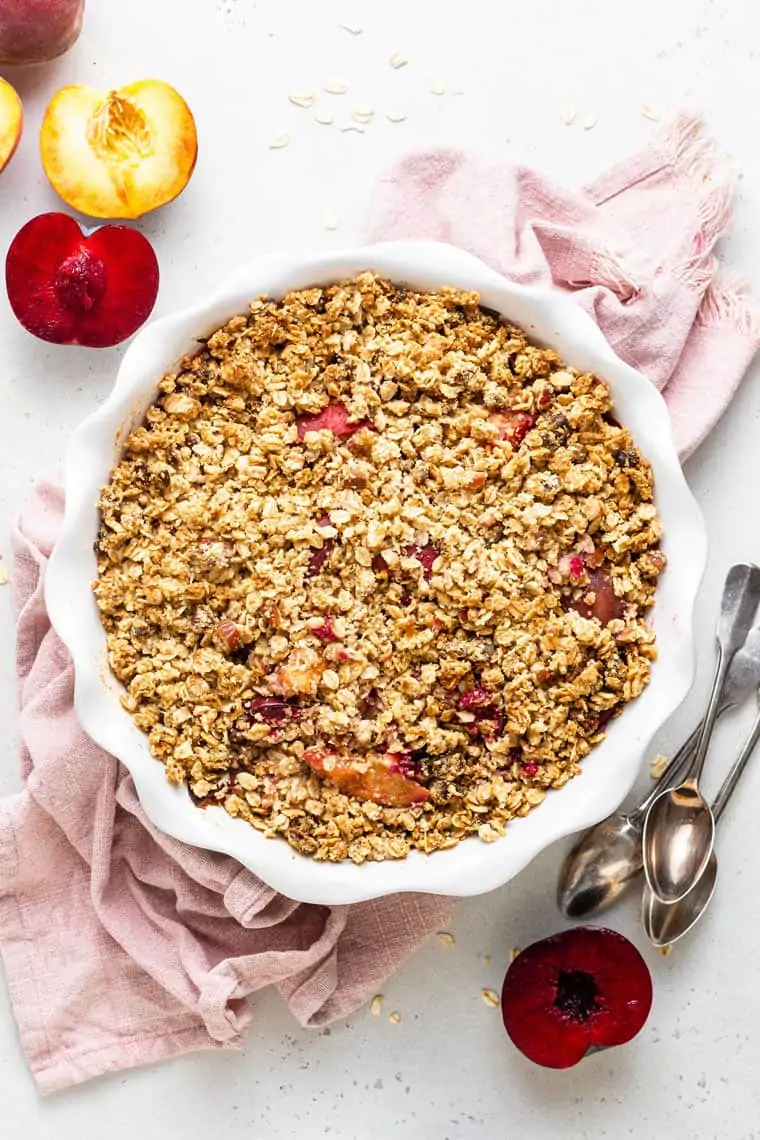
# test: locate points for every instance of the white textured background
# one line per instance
(446, 1071)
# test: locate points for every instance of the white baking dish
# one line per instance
(549, 317)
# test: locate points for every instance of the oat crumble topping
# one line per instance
(375, 569)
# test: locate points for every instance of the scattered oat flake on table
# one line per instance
(487, 959)
(446, 937)
(589, 122)
(567, 115)
(377, 1005)
(649, 112)
(490, 997)
(363, 111)
(336, 87)
(657, 765)
(324, 118)
(302, 98)
(356, 127)
(665, 950)
(330, 220)
(4, 576)
(398, 60)
(437, 87)
(354, 29)
(279, 141)
(396, 116)
(513, 953)
(395, 1017)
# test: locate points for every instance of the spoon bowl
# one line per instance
(679, 834)
(665, 923)
(679, 830)
(608, 857)
(600, 866)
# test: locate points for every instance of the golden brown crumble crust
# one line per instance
(406, 597)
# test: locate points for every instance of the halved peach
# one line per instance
(118, 154)
(11, 122)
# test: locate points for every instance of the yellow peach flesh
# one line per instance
(118, 154)
(11, 122)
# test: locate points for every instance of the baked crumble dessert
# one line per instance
(375, 570)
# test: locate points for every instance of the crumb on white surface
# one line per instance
(657, 765)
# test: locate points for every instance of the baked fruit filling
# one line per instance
(375, 570)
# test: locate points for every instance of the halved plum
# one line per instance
(575, 992)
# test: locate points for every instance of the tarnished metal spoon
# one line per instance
(665, 923)
(679, 829)
(608, 857)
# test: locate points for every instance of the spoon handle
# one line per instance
(674, 768)
(732, 779)
(694, 770)
(741, 593)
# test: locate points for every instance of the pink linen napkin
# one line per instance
(122, 946)
(634, 247)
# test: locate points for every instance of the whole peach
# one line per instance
(35, 31)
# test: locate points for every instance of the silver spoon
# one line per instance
(608, 857)
(667, 922)
(679, 829)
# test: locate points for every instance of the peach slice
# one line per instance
(379, 778)
(118, 154)
(11, 122)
